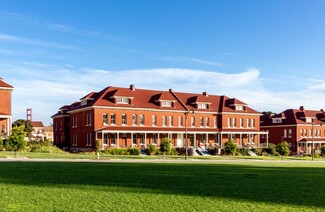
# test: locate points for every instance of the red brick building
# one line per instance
(299, 127)
(126, 117)
(5, 108)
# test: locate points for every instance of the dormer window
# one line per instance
(239, 107)
(203, 106)
(83, 102)
(276, 120)
(166, 103)
(309, 120)
(123, 100)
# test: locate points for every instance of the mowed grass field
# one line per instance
(199, 186)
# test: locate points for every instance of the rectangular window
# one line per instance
(105, 119)
(134, 119)
(90, 119)
(253, 123)
(164, 120)
(203, 106)
(215, 122)
(289, 133)
(90, 139)
(241, 123)
(284, 133)
(201, 138)
(180, 121)
(61, 125)
(87, 119)
(123, 119)
(193, 121)
(113, 119)
(207, 121)
(229, 122)
(154, 138)
(113, 138)
(142, 119)
(248, 123)
(123, 100)
(154, 120)
(166, 103)
(234, 122)
(142, 138)
(134, 139)
(170, 121)
(201, 122)
(105, 141)
(301, 133)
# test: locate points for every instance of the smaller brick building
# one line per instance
(299, 127)
(5, 108)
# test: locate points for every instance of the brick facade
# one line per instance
(126, 117)
(299, 127)
(5, 108)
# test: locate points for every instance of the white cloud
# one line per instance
(192, 60)
(49, 91)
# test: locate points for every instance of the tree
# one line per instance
(165, 146)
(322, 150)
(267, 113)
(283, 148)
(1, 144)
(16, 141)
(230, 147)
(27, 124)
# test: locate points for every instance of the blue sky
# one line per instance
(269, 54)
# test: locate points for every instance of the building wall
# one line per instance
(5, 103)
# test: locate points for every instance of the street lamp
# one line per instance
(312, 140)
(186, 140)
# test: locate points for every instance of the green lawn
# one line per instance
(217, 186)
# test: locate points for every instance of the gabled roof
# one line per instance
(294, 116)
(37, 124)
(4, 85)
(149, 99)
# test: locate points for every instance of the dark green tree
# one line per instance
(165, 146)
(230, 147)
(28, 127)
(322, 150)
(283, 148)
(16, 141)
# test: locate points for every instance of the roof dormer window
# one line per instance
(83, 102)
(123, 100)
(166, 103)
(239, 107)
(308, 119)
(277, 120)
(202, 106)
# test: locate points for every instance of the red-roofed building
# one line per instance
(5, 108)
(126, 117)
(299, 127)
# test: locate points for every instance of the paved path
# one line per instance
(24, 159)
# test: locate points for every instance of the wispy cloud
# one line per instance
(59, 27)
(192, 60)
(62, 85)
(15, 39)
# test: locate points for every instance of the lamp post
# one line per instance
(186, 140)
(312, 140)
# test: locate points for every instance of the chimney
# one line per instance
(170, 90)
(322, 110)
(132, 87)
(205, 93)
(302, 108)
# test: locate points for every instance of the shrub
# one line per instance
(134, 151)
(1, 144)
(182, 150)
(230, 147)
(322, 150)
(173, 151)
(242, 151)
(271, 150)
(165, 146)
(213, 150)
(283, 148)
(116, 151)
(257, 151)
(151, 149)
